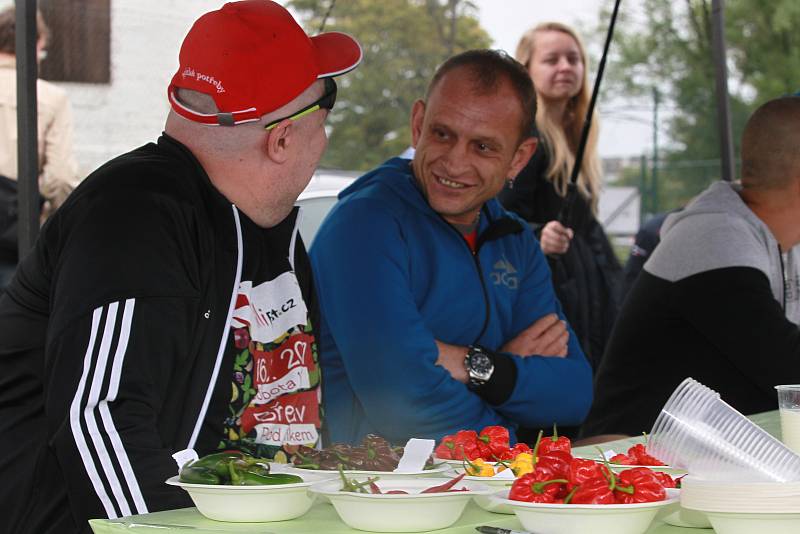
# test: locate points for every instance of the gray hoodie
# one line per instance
(702, 308)
(718, 230)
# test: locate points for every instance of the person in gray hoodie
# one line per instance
(719, 299)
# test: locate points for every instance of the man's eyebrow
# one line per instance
(440, 126)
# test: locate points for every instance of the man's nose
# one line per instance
(455, 159)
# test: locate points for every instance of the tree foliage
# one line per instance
(403, 42)
(671, 49)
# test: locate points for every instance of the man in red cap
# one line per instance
(168, 304)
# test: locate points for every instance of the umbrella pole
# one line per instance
(565, 215)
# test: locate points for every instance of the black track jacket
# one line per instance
(111, 337)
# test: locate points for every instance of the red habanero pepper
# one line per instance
(639, 485)
(466, 445)
(512, 453)
(532, 488)
(666, 480)
(622, 459)
(484, 451)
(496, 438)
(446, 449)
(597, 490)
(555, 443)
(581, 470)
(593, 491)
(639, 454)
(519, 448)
(556, 461)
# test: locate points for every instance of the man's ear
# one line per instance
(521, 157)
(417, 119)
(278, 141)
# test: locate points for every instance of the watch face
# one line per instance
(480, 363)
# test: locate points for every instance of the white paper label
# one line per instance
(277, 434)
(186, 455)
(415, 454)
(270, 309)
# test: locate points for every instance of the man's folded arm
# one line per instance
(548, 389)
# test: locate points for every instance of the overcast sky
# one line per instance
(623, 132)
(506, 20)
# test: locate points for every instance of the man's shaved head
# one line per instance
(771, 145)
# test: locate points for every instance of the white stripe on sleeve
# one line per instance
(75, 424)
(105, 413)
(91, 404)
(85, 413)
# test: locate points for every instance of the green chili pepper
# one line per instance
(199, 475)
(258, 468)
(212, 460)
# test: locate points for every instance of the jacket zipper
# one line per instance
(784, 281)
(225, 333)
(478, 269)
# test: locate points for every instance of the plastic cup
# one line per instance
(789, 404)
(698, 431)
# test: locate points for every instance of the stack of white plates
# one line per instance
(744, 507)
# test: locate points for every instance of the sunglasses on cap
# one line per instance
(326, 101)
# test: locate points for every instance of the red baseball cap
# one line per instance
(252, 58)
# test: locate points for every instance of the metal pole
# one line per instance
(654, 176)
(723, 103)
(643, 204)
(27, 151)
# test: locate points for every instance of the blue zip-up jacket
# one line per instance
(393, 276)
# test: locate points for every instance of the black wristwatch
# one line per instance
(480, 366)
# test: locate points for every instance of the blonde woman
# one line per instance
(585, 271)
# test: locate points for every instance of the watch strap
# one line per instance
(499, 388)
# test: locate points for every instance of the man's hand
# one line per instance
(451, 357)
(555, 238)
(548, 336)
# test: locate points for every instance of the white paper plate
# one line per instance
(413, 512)
(496, 506)
(735, 523)
(277, 502)
(586, 518)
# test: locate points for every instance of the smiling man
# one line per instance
(439, 313)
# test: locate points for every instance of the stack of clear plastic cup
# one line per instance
(698, 431)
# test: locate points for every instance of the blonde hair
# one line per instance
(562, 139)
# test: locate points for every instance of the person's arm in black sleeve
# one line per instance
(124, 315)
(105, 387)
(735, 309)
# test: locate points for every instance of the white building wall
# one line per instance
(145, 40)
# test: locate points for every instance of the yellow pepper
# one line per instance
(522, 464)
(479, 468)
